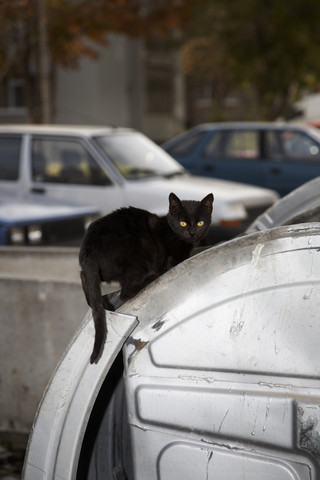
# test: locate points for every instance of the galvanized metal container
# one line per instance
(299, 206)
(221, 372)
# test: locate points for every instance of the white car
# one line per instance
(111, 168)
(30, 219)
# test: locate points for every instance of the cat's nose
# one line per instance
(192, 234)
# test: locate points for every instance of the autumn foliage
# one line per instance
(73, 29)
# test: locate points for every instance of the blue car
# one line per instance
(277, 156)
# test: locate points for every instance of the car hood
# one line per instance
(22, 209)
(152, 194)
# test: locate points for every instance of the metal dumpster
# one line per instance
(220, 365)
(299, 206)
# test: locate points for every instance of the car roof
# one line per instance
(253, 125)
(218, 126)
(83, 130)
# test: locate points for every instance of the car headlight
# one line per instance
(34, 234)
(17, 236)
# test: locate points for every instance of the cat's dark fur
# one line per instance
(134, 247)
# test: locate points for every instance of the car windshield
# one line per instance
(135, 156)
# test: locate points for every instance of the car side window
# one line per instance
(185, 145)
(296, 145)
(243, 144)
(65, 161)
(9, 157)
(274, 149)
(216, 145)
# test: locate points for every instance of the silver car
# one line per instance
(110, 168)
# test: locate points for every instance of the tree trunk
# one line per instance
(44, 74)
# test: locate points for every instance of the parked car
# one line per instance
(314, 123)
(111, 168)
(36, 220)
(277, 156)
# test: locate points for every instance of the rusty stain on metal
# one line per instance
(138, 344)
(141, 345)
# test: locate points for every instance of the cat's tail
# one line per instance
(91, 287)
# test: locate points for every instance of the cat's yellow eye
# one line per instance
(200, 224)
(183, 224)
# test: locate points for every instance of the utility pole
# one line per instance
(44, 62)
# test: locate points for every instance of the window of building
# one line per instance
(159, 86)
(12, 93)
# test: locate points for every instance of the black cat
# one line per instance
(134, 247)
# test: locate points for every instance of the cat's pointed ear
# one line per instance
(207, 202)
(174, 203)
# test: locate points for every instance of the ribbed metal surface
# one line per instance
(222, 371)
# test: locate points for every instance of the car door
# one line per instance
(234, 154)
(292, 157)
(68, 169)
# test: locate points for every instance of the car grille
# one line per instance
(60, 232)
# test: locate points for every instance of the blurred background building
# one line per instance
(158, 67)
(133, 83)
